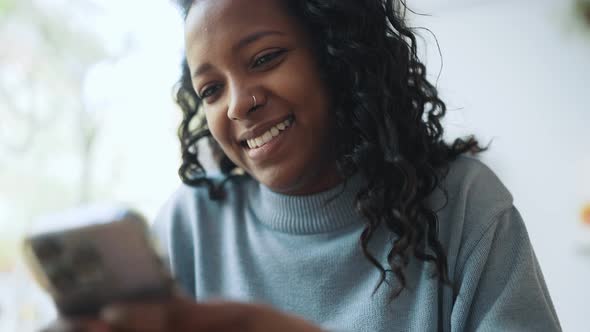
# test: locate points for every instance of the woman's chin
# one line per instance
(299, 185)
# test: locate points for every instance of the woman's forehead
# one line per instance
(211, 12)
(224, 22)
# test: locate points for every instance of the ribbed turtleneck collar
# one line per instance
(312, 214)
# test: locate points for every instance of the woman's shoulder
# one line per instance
(189, 203)
(189, 209)
(203, 195)
(470, 199)
(475, 183)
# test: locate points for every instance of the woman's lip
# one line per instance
(261, 129)
(269, 149)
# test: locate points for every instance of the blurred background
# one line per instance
(86, 116)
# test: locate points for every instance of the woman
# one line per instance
(339, 207)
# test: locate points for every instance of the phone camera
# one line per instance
(70, 268)
(87, 266)
(48, 249)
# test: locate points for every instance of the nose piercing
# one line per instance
(255, 102)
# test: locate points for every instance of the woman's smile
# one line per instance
(266, 145)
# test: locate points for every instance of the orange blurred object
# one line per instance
(586, 214)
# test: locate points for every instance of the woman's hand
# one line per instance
(180, 314)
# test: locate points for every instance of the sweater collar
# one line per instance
(322, 212)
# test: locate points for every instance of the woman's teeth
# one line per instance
(269, 135)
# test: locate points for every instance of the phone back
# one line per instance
(111, 259)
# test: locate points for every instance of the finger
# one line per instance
(232, 316)
(178, 314)
(152, 317)
(181, 314)
(220, 316)
(78, 325)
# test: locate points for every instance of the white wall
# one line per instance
(518, 72)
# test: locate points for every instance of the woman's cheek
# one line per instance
(220, 128)
(290, 83)
(216, 125)
(300, 85)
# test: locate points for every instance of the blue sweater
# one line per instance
(301, 254)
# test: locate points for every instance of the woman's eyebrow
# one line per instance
(254, 37)
(201, 70)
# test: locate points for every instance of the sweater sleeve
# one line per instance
(500, 283)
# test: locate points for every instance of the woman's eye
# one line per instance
(209, 91)
(264, 59)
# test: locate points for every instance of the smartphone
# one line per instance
(112, 258)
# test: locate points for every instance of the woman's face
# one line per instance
(263, 97)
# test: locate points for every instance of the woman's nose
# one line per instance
(242, 104)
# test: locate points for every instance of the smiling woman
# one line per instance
(339, 206)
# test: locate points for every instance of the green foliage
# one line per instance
(58, 49)
(583, 10)
(6, 7)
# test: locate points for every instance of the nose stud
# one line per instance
(255, 102)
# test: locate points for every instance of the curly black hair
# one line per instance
(388, 124)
